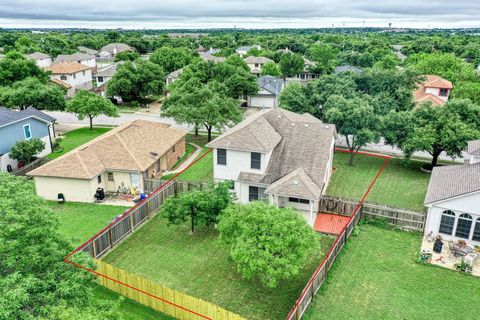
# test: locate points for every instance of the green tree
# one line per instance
(171, 59)
(294, 98)
(136, 80)
(15, 67)
(291, 64)
(31, 92)
(127, 56)
(35, 282)
(355, 119)
(24, 150)
(325, 56)
(271, 69)
(434, 129)
(200, 206)
(89, 105)
(267, 242)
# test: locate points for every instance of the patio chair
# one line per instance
(454, 254)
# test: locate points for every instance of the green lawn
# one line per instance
(75, 138)
(400, 185)
(80, 221)
(202, 171)
(188, 151)
(377, 277)
(199, 265)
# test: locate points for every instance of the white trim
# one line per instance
(29, 130)
(27, 117)
(430, 204)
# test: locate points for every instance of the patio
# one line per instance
(447, 258)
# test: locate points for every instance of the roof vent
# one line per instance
(279, 116)
(293, 124)
(258, 121)
(295, 182)
(306, 125)
(326, 127)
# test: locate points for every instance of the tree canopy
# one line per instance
(24, 150)
(171, 59)
(15, 67)
(89, 105)
(266, 242)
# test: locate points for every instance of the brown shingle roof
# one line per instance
(127, 147)
(437, 82)
(453, 181)
(67, 67)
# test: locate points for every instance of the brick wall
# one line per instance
(174, 153)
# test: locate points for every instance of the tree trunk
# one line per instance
(435, 156)
(209, 131)
(196, 130)
(91, 122)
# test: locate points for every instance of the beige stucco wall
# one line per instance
(120, 179)
(76, 190)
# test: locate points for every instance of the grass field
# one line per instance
(377, 277)
(199, 265)
(400, 185)
(202, 171)
(80, 221)
(75, 138)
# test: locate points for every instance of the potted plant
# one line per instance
(463, 267)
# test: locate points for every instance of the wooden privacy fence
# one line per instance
(168, 301)
(30, 166)
(182, 186)
(400, 217)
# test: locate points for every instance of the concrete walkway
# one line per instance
(187, 161)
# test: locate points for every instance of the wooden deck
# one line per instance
(329, 223)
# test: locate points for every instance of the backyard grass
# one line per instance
(199, 265)
(188, 151)
(376, 276)
(202, 171)
(75, 138)
(80, 221)
(400, 185)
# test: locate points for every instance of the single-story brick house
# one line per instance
(121, 158)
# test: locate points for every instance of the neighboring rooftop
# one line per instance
(108, 71)
(207, 56)
(78, 57)
(473, 148)
(87, 50)
(128, 147)
(37, 56)
(421, 95)
(343, 69)
(300, 146)
(8, 116)
(67, 67)
(433, 81)
(114, 48)
(452, 181)
(247, 48)
(271, 84)
(254, 60)
(175, 74)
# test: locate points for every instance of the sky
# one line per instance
(190, 14)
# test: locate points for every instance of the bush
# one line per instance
(25, 150)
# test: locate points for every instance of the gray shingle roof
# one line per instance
(79, 56)
(298, 142)
(108, 71)
(271, 84)
(87, 50)
(474, 148)
(260, 60)
(342, 69)
(8, 116)
(207, 56)
(250, 177)
(120, 47)
(37, 56)
(247, 48)
(175, 74)
(452, 181)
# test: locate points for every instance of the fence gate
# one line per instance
(337, 205)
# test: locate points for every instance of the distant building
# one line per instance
(256, 63)
(269, 89)
(102, 76)
(435, 89)
(41, 59)
(244, 49)
(83, 58)
(307, 75)
(207, 56)
(342, 69)
(71, 75)
(112, 49)
(173, 76)
(22, 125)
(89, 51)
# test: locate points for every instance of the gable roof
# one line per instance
(87, 50)
(473, 148)
(271, 84)
(8, 116)
(37, 56)
(175, 74)
(247, 48)
(108, 71)
(127, 147)
(67, 67)
(434, 81)
(207, 56)
(259, 60)
(79, 56)
(343, 69)
(453, 181)
(289, 136)
(120, 47)
(421, 95)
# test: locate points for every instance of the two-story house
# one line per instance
(453, 199)
(80, 57)
(435, 89)
(173, 76)
(23, 125)
(269, 89)
(277, 156)
(256, 63)
(102, 76)
(72, 75)
(42, 60)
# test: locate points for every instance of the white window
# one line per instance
(221, 156)
(27, 132)
(255, 160)
(74, 76)
(99, 79)
(447, 222)
(476, 231)
(256, 193)
(464, 225)
(63, 77)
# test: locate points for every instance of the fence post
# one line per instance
(94, 249)
(131, 221)
(110, 237)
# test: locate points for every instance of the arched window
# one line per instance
(464, 225)
(447, 222)
(476, 231)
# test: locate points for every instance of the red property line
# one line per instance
(66, 259)
(355, 211)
